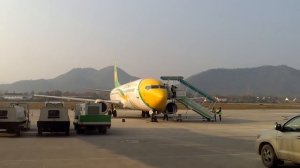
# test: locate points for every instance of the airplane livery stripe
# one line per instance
(142, 98)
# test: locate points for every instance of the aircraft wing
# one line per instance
(80, 99)
(101, 90)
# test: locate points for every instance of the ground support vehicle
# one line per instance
(53, 118)
(15, 118)
(91, 116)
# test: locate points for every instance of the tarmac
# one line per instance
(139, 143)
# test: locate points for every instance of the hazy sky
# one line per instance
(146, 38)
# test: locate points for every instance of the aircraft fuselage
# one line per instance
(142, 94)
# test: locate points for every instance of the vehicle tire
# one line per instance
(102, 130)
(67, 132)
(18, 132)
(268, 156)
(39, 132)
(79, 131)
(109, 113)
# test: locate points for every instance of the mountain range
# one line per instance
(76, 80)
(260, 81)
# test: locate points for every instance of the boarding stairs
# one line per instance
(190, 103)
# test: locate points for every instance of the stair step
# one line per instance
(196, 107)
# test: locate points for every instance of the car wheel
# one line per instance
(268, 156)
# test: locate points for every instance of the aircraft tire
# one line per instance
(148, 114)
(114, 113)
(143, 114)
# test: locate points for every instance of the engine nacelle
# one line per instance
(104, 106)
(171, 108)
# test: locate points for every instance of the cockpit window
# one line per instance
(163, 86)
(155, 87)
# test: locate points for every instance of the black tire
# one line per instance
(18, 132)
(67, 132)
(79, 131)
(148, 114)
(102, 130)
(109, 113)
(143, 114)
(268, 156)
(40, 132)
(114, 113)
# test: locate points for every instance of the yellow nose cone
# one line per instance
(155, 97)
(158, 99)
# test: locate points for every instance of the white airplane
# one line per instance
(143, 94)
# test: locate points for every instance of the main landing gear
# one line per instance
(145, 114)
(113, 111)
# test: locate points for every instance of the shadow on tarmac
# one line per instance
(171, 148)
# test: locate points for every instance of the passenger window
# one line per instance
(148, 87)
(3, 114)
(293, 125)
(53, 114)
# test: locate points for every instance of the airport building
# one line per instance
(16, 96)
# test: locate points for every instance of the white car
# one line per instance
(280, 144)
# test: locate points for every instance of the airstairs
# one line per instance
(194, 94)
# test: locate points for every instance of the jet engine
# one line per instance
(171, 108)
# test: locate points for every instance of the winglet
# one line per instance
(116, 78)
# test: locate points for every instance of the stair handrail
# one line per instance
(197, 90)
(195, 106)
